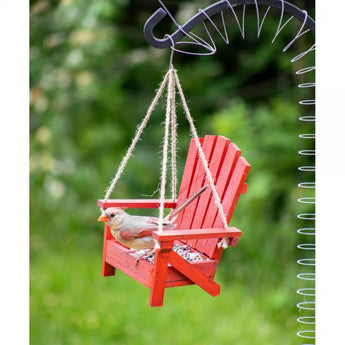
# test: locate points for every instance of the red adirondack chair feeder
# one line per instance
(199, 225)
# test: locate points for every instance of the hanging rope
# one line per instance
(173, 142)
(136, 138)
(202, 156)
(171, 93)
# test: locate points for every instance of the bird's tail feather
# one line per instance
(174, 213)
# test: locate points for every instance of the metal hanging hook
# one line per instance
(211, 10)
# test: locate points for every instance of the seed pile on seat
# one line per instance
(184, 251)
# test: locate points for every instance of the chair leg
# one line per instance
(107, 270)
(160, 273)
(194, 274)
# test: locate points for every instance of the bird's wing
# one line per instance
(142, 221)
(129, 235)
(149, 222)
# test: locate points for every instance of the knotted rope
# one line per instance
(169, 109)
(173, 148)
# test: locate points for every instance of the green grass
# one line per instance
(71, 303)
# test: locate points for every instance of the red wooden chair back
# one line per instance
(229, 171)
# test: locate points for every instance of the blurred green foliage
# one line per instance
(92, 78)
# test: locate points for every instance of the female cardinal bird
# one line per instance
(136, 231)
(132, 231)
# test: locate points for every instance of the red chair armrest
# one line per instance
(171, 235)
(135, 203)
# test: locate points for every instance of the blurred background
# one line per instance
(92, 78)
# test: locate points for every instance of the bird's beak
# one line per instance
(103, 218)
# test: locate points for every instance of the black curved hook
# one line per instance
(211, 10)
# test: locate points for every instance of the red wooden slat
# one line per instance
(117, 256)
(236, 185)
(187, 177)
(215, 166)
(195, 183)
(195, 222)
(230, 197)
(170, 235)
(231, 156)
(107, 269)
(229, 162)
(159, 276)
(135, 203)
(198, 181)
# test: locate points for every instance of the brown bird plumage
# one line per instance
(136, 231)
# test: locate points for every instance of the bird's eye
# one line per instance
(112, 215)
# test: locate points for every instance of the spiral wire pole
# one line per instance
(306, 230)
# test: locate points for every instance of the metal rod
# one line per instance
(209, 11)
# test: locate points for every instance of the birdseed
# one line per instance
(186, 252)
